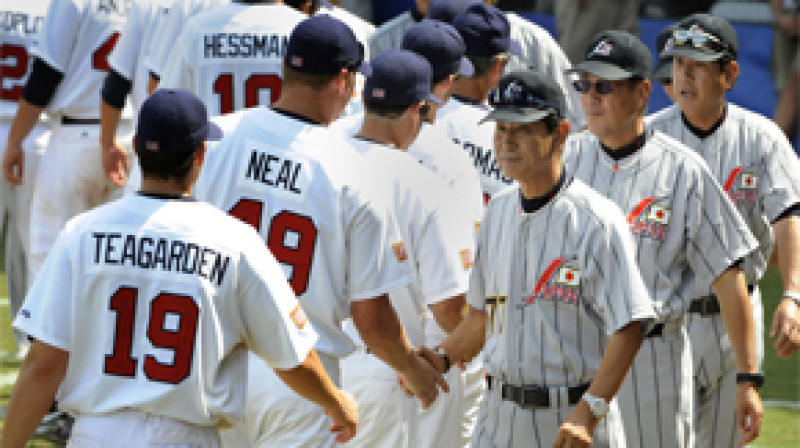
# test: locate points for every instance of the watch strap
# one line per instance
(445, 358)
(757, 379)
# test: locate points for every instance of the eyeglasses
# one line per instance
(603, 87)
(698, 39)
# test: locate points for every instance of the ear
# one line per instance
(562, 132)
(200, 155)
(732, 71)
(135, 146)
(644, 89)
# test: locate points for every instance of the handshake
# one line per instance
(425, 375)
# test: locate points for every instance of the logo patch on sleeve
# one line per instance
(466, 258)
(659, 214)
(749, 181)
(400, 251)
(568, 276)
(299, 317)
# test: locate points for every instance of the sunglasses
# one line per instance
(603, 87)
(698, 39)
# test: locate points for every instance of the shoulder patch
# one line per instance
(400, 251)
(299, 316)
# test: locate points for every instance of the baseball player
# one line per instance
(173, 292)
(439, 249)
(555, 283)
(663, 70)
(23, 20)
(327, 222)
(754, 162)
(687, 233)
(390, 34)
(127, 75)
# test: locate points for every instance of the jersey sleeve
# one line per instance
(160, 47)
(476, 294)
(780, 188)
(275, 326)
(47, 313)
(123, 58)
(717, 235)
(177, 74)
(58, 35)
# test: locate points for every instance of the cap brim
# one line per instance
(365, 69)
(433, 99)
(694, 54)
(465, 68)
(602, 70)
(515, 115)
(663, 70)
(514, 47)
(214, 132)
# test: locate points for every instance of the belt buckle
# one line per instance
(705, 303)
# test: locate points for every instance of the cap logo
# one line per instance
(513, 91)
(668, 45)
(296, 61)
(379, 93)
(151, 145)
(603, 48)
(696, 29)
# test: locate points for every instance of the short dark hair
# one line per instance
(385, 111)
(482, 64)
(165, 167)
(312, 80)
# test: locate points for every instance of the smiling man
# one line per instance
(687, 234)
(750, 156)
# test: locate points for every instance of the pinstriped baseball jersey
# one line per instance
(756, 166)
(568, 278)
(144, 19)
(21, 23)
(390, 34)
(231, 56)
(76, 40)
(686, 230)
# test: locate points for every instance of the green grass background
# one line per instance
(781, 424)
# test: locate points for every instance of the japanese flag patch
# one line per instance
(659, 214)
(400, 251)
(749, 181)
(568, 276)
(299, 317)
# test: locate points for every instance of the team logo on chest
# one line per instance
(650, 219)
(741, 185)
(560, 282)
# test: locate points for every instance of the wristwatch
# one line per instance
(440, 351)
(756, 379)
(597, 405)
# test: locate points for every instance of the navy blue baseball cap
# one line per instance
(616, 55)
(486, 31)
(704, 38)
(174, 122)
(526, 96)
(322, 44)
(399, 78)
(447, 10)
(441, 45)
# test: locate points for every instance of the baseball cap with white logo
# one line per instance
(704, 38)
(526, 96)
(616, 55)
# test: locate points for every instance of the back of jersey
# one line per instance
(231, 56)
(76, 40)
(22, 21)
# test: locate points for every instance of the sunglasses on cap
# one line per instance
(698, 38)
(602, 87)
(514, 96)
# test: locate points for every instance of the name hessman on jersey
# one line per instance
(21, 22)
(271, 170)
(160, 253)
(244, 45)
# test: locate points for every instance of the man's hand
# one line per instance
(345, 417)
(578, 429)
(14, 163)
(750, 412)
(116, 164)
(786, 327)
(432, 358)
(422, 380)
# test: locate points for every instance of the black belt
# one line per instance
(69, 120)
(657, 330)
(535, 396)
(709, 305)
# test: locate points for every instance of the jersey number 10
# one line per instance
(256, 82)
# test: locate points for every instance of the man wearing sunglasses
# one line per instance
(555, 292)
(688, 235)
(753, 160)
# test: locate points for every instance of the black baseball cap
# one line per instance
(704, 38)
(174, 123)
(664, 42)
(399, 78)
(447, 10)
(441, 45)
(525, 96)
(615, 55)
(486, 31)
(323, 44)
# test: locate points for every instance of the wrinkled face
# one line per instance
(611, 113)
(699, 87)
(522, 150)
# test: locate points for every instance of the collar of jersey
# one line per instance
(470, 101)
(296, 116)
(533, 205)
(166, 197)
(626, 150)
(704, 133)
(637, 157)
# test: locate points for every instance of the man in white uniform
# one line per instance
(754, 162)
(326, 219)
(555, 283)
(146, 308)
(390, 34)
(687, 234)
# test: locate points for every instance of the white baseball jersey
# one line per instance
(76, 40)
(157, 301)
(161, 46)
(328, 223)
(145, 18)
(556, 283)
(460, 117)
(687, 231)
(390, 34)
(361, 28)
(231, 55)
(19, 30)
(542, 53)
(755, 164)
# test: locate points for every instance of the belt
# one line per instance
(709, 305)
(69, 120)
(529, 397)
(657, 330)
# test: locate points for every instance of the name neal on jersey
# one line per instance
(244, 45)
(160, 253)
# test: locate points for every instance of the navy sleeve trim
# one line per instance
(115, 89)
(42, 84)
(793, 210)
